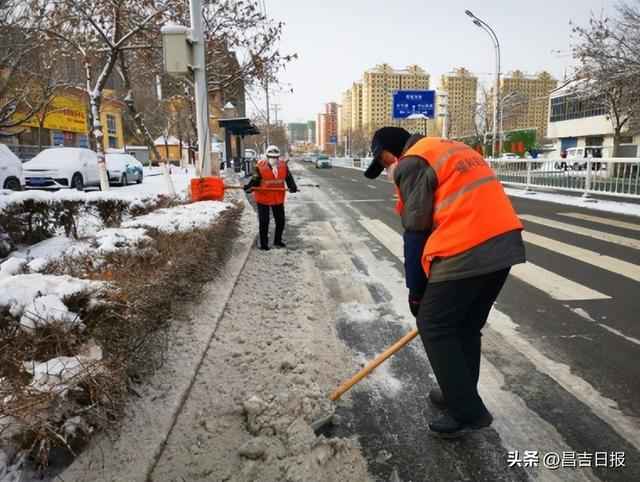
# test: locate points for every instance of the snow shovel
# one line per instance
(319, 423)
(373, 364)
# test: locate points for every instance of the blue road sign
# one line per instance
(333, 140)
(408, 102)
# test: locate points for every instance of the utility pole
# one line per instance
(276, 108)
(267, 133)
(200, 87)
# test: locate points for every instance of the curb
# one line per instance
(132, 454)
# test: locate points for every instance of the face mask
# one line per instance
(272, 161)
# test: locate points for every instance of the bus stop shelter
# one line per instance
(235, 130)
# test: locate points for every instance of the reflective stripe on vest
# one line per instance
(470, 205)
(272, 190)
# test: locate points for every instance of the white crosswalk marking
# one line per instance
(389, 238)
(596, 234)
(554, 285)
(606, 221)
(617, 266)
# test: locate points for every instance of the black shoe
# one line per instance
(279, 244)
(437, 399)
(264, 248)
(448, 427)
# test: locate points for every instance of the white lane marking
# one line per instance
(556, 286)
(353, 180)
(389, 238)
(603, 407)
(584, 314)
(592, 233)
(614, 265)
(371, 186)
(518, 426)
(598, 219)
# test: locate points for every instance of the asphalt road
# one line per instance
(561, 368)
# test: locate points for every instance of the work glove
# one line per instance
(414, 302)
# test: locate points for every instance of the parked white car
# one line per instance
(11, 176)
(62, 168)
(124, 169)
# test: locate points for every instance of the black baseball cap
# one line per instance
(392, 139)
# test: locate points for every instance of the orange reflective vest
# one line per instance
(272, 188)
(470, 205)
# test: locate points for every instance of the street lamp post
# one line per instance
(485, 26)
(503, 102)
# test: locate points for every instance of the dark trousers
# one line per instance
(263, 220)
(451, 316)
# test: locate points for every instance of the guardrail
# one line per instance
(608, 176)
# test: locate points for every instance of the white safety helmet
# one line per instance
(273, 151)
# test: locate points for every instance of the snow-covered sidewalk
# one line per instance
(264, 379)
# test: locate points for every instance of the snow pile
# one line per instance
(41, 254)
(49, 309)
(54, 376)
(115, 239)
(186, 217)
(37, 299)
(358, 312)
(11, 267)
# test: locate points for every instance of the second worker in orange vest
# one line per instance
(461, 237)
(269, 184)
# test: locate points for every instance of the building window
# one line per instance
(571, 107)
(113, 142)
(111, 125)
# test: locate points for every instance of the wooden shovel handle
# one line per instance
(372, 365)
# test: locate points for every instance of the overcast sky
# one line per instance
(336, 40)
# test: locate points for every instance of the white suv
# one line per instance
(62, 167)
(11, 176)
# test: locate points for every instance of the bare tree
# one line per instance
(609, 73)
(21, 92)
(99, 32)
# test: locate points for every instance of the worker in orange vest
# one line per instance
(461, 237)
(268, 186)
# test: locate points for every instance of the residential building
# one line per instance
(528, 104)
(327, 128)
(378, 86)
(321, 130)
(297, 132)
(462, 88)
(579, 122)
(346, 115)
(356, 106)
(311, 132)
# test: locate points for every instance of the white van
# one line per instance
(62, 168)
(11, 176)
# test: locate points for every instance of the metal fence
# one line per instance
(608, 176)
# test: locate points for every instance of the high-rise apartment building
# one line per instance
(356, 106)
(327, 128)
(311, 132)
(378, 87)
(297, 132)
(527, 101)
(345, 114)
(462, 89)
